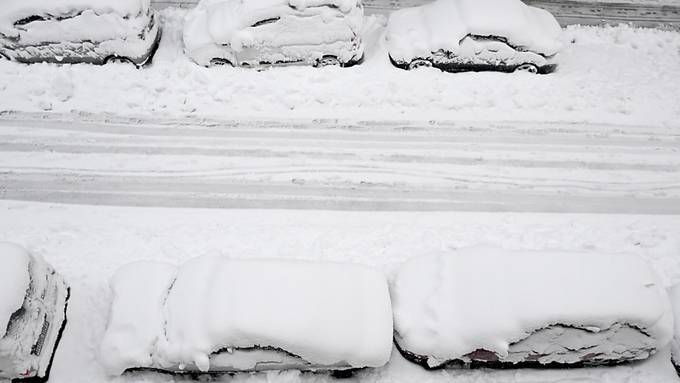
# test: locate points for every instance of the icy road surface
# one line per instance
(329, 164)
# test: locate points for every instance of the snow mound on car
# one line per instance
(229, 22)
(447, 306)
(135, 325)
(12, 11)
(441, 25)
(325, 313)
(14, 281)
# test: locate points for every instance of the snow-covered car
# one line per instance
(217, 315)
(474, 35)
(78, 31)
(485, 307)
(675, 344)
(252, 33)
(33, 299)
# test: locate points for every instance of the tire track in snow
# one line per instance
(356, 165)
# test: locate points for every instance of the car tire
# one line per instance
(528, 68)
(119, 60)
(419, 63)
(343, 374)
(327, 61)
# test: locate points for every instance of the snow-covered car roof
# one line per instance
(14, 281)
(325, 313)
(449, 305)
(226, 17)
(419, 31)
(12, 11)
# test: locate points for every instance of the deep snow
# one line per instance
(612, 74)
(87, 244)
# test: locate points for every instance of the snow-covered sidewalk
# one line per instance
(87, 244)
(612, 74)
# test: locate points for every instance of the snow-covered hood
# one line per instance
(13, 10)
(419, 31)
(325, 313)
(14, 281)
(449, 305)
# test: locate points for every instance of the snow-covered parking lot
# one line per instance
(87, 244)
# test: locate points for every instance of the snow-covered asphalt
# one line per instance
(331, 164)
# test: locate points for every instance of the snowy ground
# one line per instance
(609, 75)
(600, 135)
(88, 243)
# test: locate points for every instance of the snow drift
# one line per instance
(443, 24)
(215, 314)
(495, 307)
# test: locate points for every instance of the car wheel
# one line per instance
(119, 60)
(328, 61)
(220, 61)
(529, 68)
(419, 63)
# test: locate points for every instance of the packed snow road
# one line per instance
(330, 164)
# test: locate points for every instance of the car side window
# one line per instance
(28, 20)
(266, 21)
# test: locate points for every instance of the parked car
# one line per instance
(675, 344)
(78, 31)
(220, 315)
(33, 300)
(474, 35)
(549, 309)
(251, 33)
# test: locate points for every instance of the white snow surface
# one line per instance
(87, 244)
(326, 313)
(14, 281)
(603, 77)
(451, 304)
(14, 10)
(136, 322)
(441, 25)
